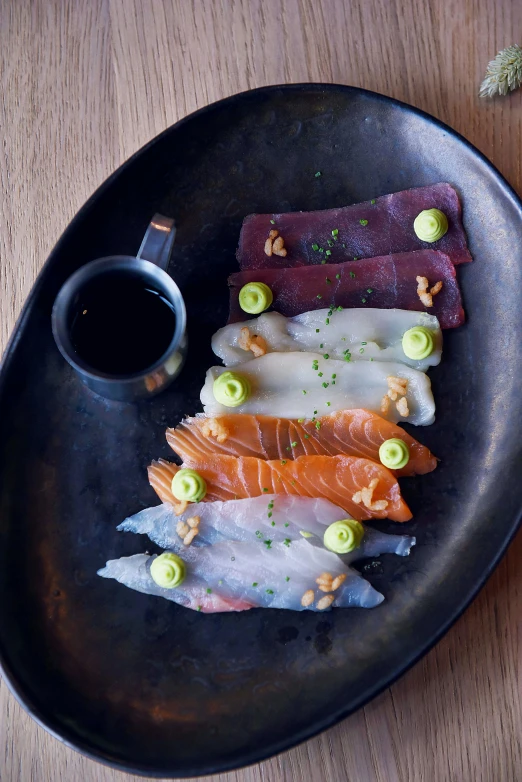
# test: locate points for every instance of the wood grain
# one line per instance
(83, 86)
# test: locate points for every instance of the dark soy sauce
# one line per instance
(121, 325)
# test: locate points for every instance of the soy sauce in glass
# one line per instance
(121, 325)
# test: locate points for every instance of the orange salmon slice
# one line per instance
(336, 478)
(349, 432)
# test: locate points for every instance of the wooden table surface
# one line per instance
(86, 84)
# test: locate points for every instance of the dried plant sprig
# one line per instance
(504, 73)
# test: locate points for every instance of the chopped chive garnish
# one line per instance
(337, 276)
(363, 343)
(317, 331)
(287, 447)
(333, 382)
(287, 524)
(321, 250)
(328, 253)
(307, 436)
(317, 425)
(300, 420)
(254, 583)
(327, 321)
(294, 444)
(283, 462)
(270, 516)
(363, 222)
(355, 258)
(270, 591)
(348, 357)
(339, 308)
(371, 359)
(315, 412)
(361, 350)
(265, 489)
(372, 201)
(268, 543)
(259, 534)
(315, 247)
(369, 290)
(287, 541)
(352, 274)
(326, 355)
(334, 376)
(319, 296)
(317, 174)
(323, 262)
(325, 385)
(328, 281)
(287, 578)
(320, 374)
(329, 243)
(209, 591)
(199, 608)
(273, 222)
(321, 345)
(304, 392)
(328, 404)
(270, 504)
(272, 522)
(335, 232)
(363, 301)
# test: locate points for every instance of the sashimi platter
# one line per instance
(336, 318)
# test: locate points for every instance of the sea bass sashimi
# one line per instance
(351, 432)
(386, 282)
(308, 385)
(235, 576)
(364, 489)
(272, 518)
(377, 227)
(369, 335)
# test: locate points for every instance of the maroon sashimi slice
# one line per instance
(386, 282)
(378, 227)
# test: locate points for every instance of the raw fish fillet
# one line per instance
(248, 521)
(278, 381)
(386, 282)
(244, 575)
(350, 432)
(389, 229)
(369, 334)
(335, 478)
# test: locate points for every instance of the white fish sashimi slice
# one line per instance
(368, 333)
(304, 385)
(249, 521)
(134, 572)
(242, 575)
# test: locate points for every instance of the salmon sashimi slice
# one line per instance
(349, 432)
(336, 478)
(377, 227)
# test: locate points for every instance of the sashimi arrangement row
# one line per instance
(298, 442)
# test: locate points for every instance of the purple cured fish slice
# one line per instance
(388, 282)
(378, 227)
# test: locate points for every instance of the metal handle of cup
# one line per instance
(158, 241)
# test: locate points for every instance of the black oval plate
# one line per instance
(147, 686)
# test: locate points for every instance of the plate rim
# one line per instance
(67, 736)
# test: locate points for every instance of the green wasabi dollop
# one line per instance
(168, 570)
(418, 343)
(231, 389)
(394, 454)
(430, 225)
(255, 297)
(188, 485)
(343, 536)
